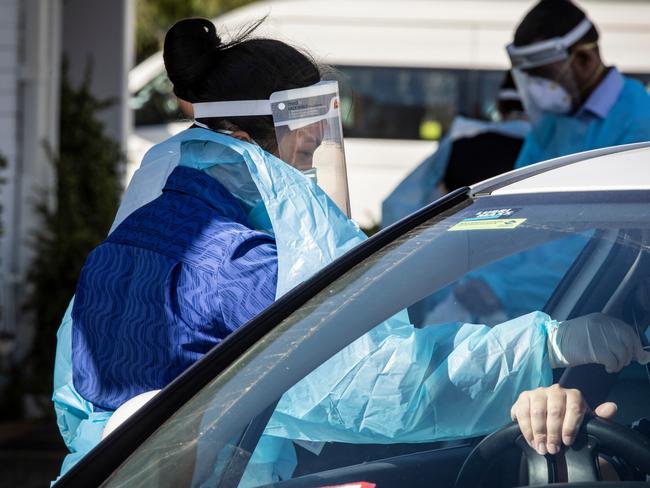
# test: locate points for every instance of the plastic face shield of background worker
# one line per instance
(308, 131)
(543, 73)
(574, 101)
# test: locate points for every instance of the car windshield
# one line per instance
(394, 359)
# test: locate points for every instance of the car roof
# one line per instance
(467, 34)
(616, 168)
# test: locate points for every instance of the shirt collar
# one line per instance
(200, 185)
(603, 98)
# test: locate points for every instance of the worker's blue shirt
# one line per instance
(617, 112)
(171, 282)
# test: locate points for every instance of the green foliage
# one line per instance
(155, 17)
(87, 190)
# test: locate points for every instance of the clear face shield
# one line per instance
(542, 73)
(308, 131)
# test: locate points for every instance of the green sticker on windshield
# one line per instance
(473, 224)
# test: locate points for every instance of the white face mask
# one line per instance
(548, 96)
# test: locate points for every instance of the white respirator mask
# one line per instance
(548, 95)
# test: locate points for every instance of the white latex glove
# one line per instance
(595, 338)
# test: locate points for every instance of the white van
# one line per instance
(408, 67)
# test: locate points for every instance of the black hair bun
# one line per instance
(190, 50)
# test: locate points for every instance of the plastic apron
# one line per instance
(446, 381)
(312, 233)
(421, 186)
(476, 372)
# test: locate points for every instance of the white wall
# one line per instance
(8, 75)
(8, 148)
(31, 45)
(101, 32)
(29, 88)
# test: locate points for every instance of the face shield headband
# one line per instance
(548, 51)
(308, 130)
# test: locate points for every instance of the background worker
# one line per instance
(574, 101)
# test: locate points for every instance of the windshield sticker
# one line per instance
(487, 224)
(494, 214)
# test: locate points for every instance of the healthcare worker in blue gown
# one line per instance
(193, 255)
(472, 151)
(214, 226)
(575, 103)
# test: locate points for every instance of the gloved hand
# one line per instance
(595, 339)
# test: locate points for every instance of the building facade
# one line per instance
(35, 36)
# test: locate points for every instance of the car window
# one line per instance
(385, 103)
(348, 377)
(155, 103)
(377, 102)
(413, 103)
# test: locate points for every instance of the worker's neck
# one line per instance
(593, 82)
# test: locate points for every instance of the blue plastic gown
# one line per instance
(311, 232)
(80, 426)
(627, 121)
(399, 383)
(421, 186)
(445, 381)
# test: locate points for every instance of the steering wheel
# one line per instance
(596, 435)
